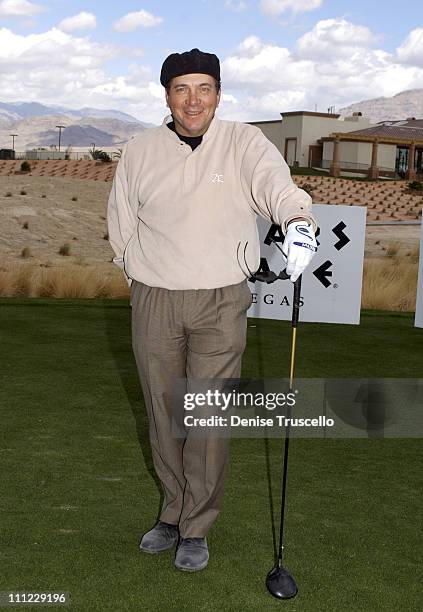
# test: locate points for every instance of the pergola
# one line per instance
(373, 171)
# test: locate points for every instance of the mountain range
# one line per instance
(403, 105)
(35, 126)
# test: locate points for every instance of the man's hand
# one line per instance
(299, 248)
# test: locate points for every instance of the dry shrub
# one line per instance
(414, 254)
(118, 287)
(393, 248)
(25, 253)
(69, 282)
(45, 285)
(389, 285)
(6, 283)
(308, 188)
(76, 282)
(65, 249)
(22, 280)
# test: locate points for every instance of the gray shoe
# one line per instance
(192, 554)
(162, 537)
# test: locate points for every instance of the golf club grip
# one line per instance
(296, 304)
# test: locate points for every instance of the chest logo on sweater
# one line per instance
(217, 178)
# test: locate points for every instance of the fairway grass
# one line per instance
(78, 487)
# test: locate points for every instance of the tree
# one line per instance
(100, 155)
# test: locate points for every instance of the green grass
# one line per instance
(306, 171)
(78, 488)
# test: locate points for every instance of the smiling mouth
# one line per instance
(193, 114)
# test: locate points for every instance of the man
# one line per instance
(182, 222)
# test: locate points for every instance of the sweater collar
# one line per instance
(211, 129)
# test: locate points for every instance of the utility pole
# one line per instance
(61, 127)
(13, 140)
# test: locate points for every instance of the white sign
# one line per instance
(418, 321)
(331, 285)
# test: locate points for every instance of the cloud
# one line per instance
(56, 67)
(136, 52)
(259, 107)
(259, 80)
(262, 67)
(139, 19)
(49, 49)
(236, 6)
(250, 46)
(332, 39)
(19, 8)
(81, 21)
(277, 7)
(268, 79)
(411, 50)
(49, 66)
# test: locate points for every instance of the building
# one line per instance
(298, 134)
(7, 154)
(69, 153)
(349, 146)
(389, 148)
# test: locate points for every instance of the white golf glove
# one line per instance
(299, 248)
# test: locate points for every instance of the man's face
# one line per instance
(192, 99)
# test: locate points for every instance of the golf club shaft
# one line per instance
(295, 316)
(292, 368)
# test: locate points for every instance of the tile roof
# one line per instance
(410, 129)
(403, 122)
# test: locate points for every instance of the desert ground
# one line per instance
(58, 223)
(52, 212)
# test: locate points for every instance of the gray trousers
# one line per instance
(192, 334)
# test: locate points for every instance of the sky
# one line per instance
(276, 55)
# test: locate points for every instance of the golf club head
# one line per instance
(280, 583)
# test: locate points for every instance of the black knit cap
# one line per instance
(190, 62)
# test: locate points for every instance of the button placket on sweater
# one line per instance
(189, 172)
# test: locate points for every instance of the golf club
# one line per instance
(279, 581)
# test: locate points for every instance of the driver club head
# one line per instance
(280, 583)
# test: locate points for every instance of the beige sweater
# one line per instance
(183, 219)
